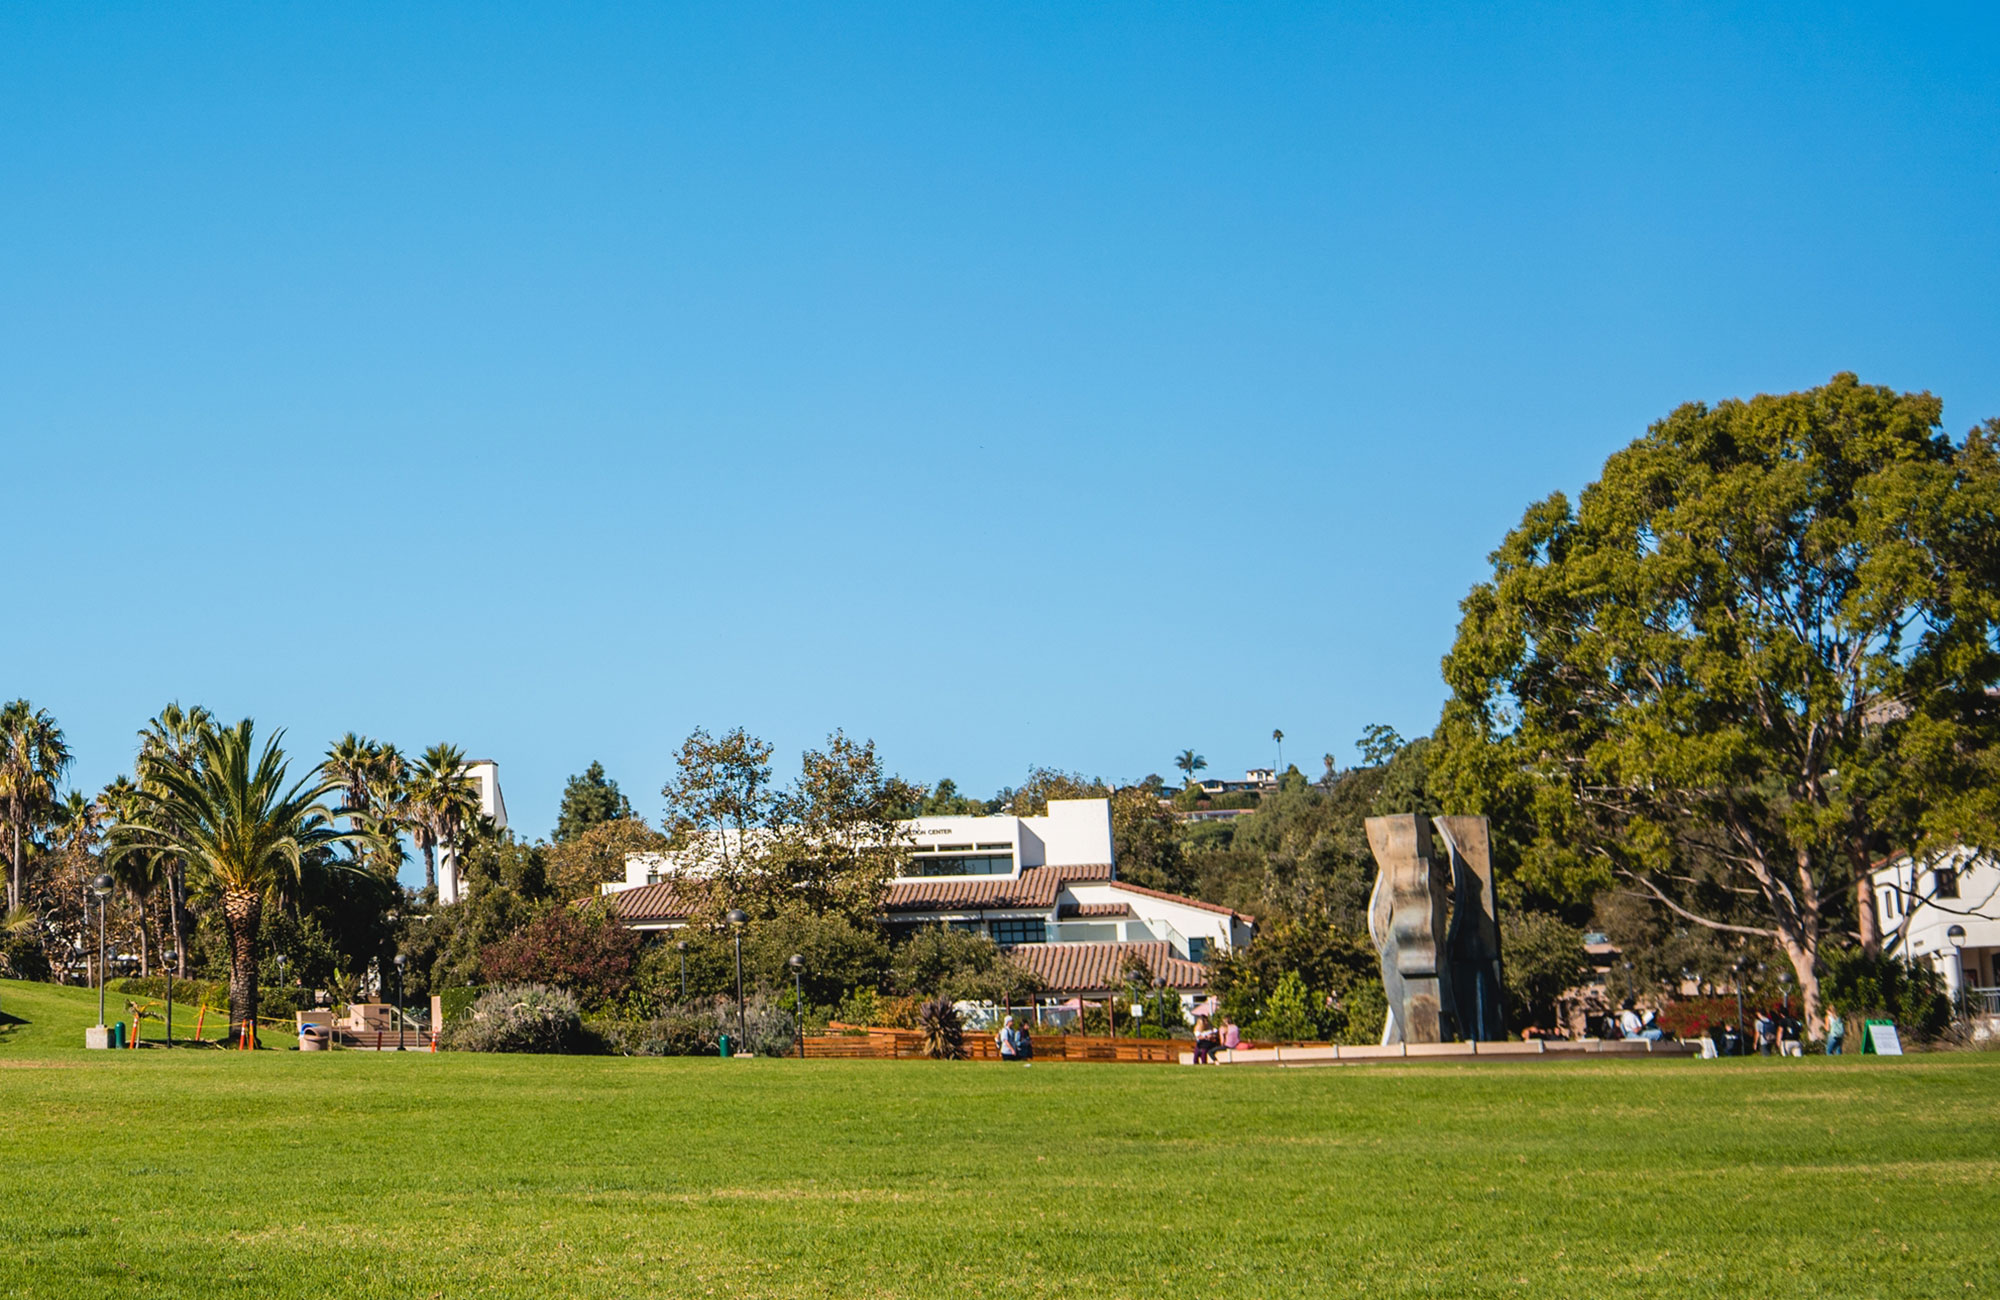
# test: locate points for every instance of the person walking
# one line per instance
(1767, 1034)
(1010, 1050)
(1836, 1032)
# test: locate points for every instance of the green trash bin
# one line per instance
(723, 1047)
(118, 1033)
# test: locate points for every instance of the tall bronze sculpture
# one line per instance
(1432, 918)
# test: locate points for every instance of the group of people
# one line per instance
(1209, 1039)
(1015, 1044)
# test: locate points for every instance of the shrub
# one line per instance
(1288, 1013)
(455, 1003)
(943, 1031)
(768, 1030)
(519, 1018)
(580, 949)
(1886, 988)
(1367, 1006)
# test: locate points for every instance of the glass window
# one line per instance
(1197, 949)
(1002, 845)
(970, 926)
(1947, 882)
(963, 864)
(1018, 930)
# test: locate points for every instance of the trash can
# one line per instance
(723, 1047)
(118, 1033)
(312, 1038)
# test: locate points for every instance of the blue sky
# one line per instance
(1011, 385)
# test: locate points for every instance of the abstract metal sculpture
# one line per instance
(1432, 919)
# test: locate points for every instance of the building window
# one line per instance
(961, 864)
(1946, 880)
(1018, 930)
(1197, 949)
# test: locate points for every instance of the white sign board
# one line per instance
(1885, 1040)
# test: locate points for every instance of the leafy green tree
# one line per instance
(33, 755)
(1758, 654)
(946, 801)
(578, 865)
(1378, 744)
(239, 822)
(1189, 763)
(590, 800)
(959, 966)
(1545, 958)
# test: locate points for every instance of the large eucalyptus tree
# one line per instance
(1759, 654)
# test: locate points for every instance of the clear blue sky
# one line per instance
(1009, 384)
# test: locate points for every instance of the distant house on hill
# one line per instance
(1045, 889)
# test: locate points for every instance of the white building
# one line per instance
(485, 773)
(1920, 904)
(1045, 888)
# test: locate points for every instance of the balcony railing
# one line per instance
(1983, 1002)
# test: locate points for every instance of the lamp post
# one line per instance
(101, 886)
(798, 965)
(402, 960)
(167, 959)
(681, 946)
(1737, 969)
(737, 919)
(1956, 938)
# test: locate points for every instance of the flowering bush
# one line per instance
(519, 1018)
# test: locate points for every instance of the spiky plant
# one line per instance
(944, 1033)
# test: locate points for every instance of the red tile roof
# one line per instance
(651, 903)
(1099, 967)
(1065, 911)
(1035, 887)
(1186, 901)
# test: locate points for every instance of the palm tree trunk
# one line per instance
(177, 914)
(15, 861)
(430, 868)
(241, 910)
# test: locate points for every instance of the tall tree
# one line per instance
(375, 785)
(442, 807)
(1189, 763)
(235, 817)
(173, 739)
(590, 800)
(33, 756)
(1759, 654)
(1278, 739)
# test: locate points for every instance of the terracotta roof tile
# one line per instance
(1035, 887)
(1065, 911)
(659, 902)
(1185, 900)
(1098, 967)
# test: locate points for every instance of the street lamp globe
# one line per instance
(1956, 935)
(736, 916)
(100, 885)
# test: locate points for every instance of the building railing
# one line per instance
(1983, 1002)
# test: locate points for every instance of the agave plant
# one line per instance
(943, 1031)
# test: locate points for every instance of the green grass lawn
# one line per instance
(210, 1173)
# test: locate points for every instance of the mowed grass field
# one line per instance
(208, 1173)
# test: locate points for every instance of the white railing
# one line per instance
(1983, 1002)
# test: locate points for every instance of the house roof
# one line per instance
(1065, 911)
(657, 902)
(1034, 887)
(1185, 901)
(1098, 967)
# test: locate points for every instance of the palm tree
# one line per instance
(372, 779)
(32, 758)
(1278, 737)
(174, 738)
(1190, 763)
(229, 815)
(443, 804)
